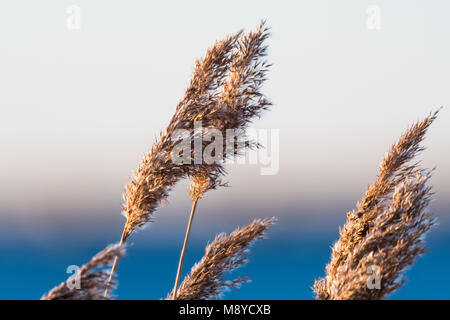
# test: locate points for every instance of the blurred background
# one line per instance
(80, 106)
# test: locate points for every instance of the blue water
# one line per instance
(283, 266)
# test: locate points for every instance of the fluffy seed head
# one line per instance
(226, 253)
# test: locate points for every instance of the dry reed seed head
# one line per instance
(362, 223)
(207, 78)
(210, 71)
(393, 168)
(156, 172)
(351, 278)
(224, 93)
(240, 100)
(393, 244)
(241, 92)
(92, 278)
(202, 183)
(226, 253)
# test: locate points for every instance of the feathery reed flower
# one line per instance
(157, 173)
(202, 183)
(224, 93)
(92, 278)
(226, 253)
(387, 227)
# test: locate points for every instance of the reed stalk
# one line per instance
(183, 250)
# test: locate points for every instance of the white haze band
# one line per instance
(191, 147)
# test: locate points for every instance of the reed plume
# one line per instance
(386, 229)
(92, 278)
(224, 93)
(226, 253)
(239, 102)
(234, 64)
(157, 173)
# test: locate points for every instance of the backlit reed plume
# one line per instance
(92, 278)
(224, 93)
(239, 102)
(226, 253)
(385, 233)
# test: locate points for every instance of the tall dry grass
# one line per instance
(92, 278)
(224, 93)
(385, 232)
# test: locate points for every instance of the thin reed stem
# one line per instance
(114, 266)
(183, 250)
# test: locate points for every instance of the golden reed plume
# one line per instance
(92, 278)
(226, 253)
(224, 93)
(381, 237)
(385, 232)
